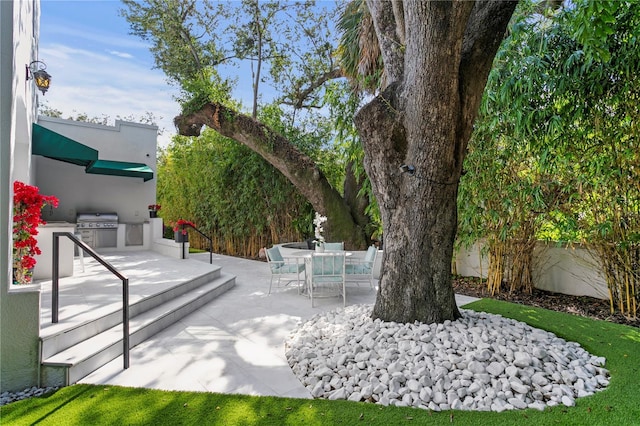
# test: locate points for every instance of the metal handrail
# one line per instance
(203, 235)
(55, 294)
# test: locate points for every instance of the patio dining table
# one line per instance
(305, 256)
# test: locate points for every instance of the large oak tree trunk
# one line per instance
(424, 119)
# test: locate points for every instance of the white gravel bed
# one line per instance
(8, 397)
(480, 362)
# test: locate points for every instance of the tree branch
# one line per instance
(273, 147)
(301, 170)
(383, 137)
(398, 12)
(300, 96)
(390, 44)
(485, 31)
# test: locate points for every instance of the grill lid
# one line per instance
(97, 220)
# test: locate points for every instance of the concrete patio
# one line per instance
(233, 344)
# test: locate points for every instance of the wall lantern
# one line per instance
(36, 71)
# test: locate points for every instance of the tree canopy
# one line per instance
(555, 151)
(290, 46)
(524, 168)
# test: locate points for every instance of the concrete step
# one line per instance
(75, 362)
(58, 337)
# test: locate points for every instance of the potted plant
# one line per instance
(27, 216)
(180, 230)
(153, 210)
(317, 222)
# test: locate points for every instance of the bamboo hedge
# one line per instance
(555, 154)
(231, 194)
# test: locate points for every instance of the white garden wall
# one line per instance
(567, 269)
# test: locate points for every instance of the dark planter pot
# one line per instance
(180, 237)
(310, 244)
(153, 213)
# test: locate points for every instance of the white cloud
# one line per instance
(86, 34)
(98, 84)
(121, 54)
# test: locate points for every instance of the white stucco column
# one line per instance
(19, 305)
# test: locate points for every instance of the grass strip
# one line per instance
(619, 404)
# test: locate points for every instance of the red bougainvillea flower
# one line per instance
(179, 226)
(27, 216)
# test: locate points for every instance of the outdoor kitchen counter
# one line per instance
(44, 261)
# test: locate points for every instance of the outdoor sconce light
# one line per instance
(410, 170)
(36, 71)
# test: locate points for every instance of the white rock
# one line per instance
(583, 393)
(322, 372)
(407, 400)
(602, 381)
(474, 387)
(414, 385)
(569, 377)
(522, 359)
(483, 378)
(476, 363)
(539, 379)
(342, 360)
(519, 387)
(462, 392)
(539, 352)
(599, 361)
(317, 390)
(537, 405)
(495, 368)
(476, 367)
(362, 356)
(568, 401)
(484, 355)
(367, 391)
(425, 394)
(456, 405)
(511, 371)
(517, 403)
(439, 398)
(355, 396)
(380, 388)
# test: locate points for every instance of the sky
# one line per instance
(98, 69)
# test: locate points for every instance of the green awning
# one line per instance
(53, 145)
(121, 168)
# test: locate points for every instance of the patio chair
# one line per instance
(332, 247)
(283, 268)
(327, 276)
(361, 270)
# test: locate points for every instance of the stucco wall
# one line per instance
(82, 192)
(19, 305)
(568, 270)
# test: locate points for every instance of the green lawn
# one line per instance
(619, 404)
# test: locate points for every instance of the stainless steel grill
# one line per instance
(98, 229)
(97, 220)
